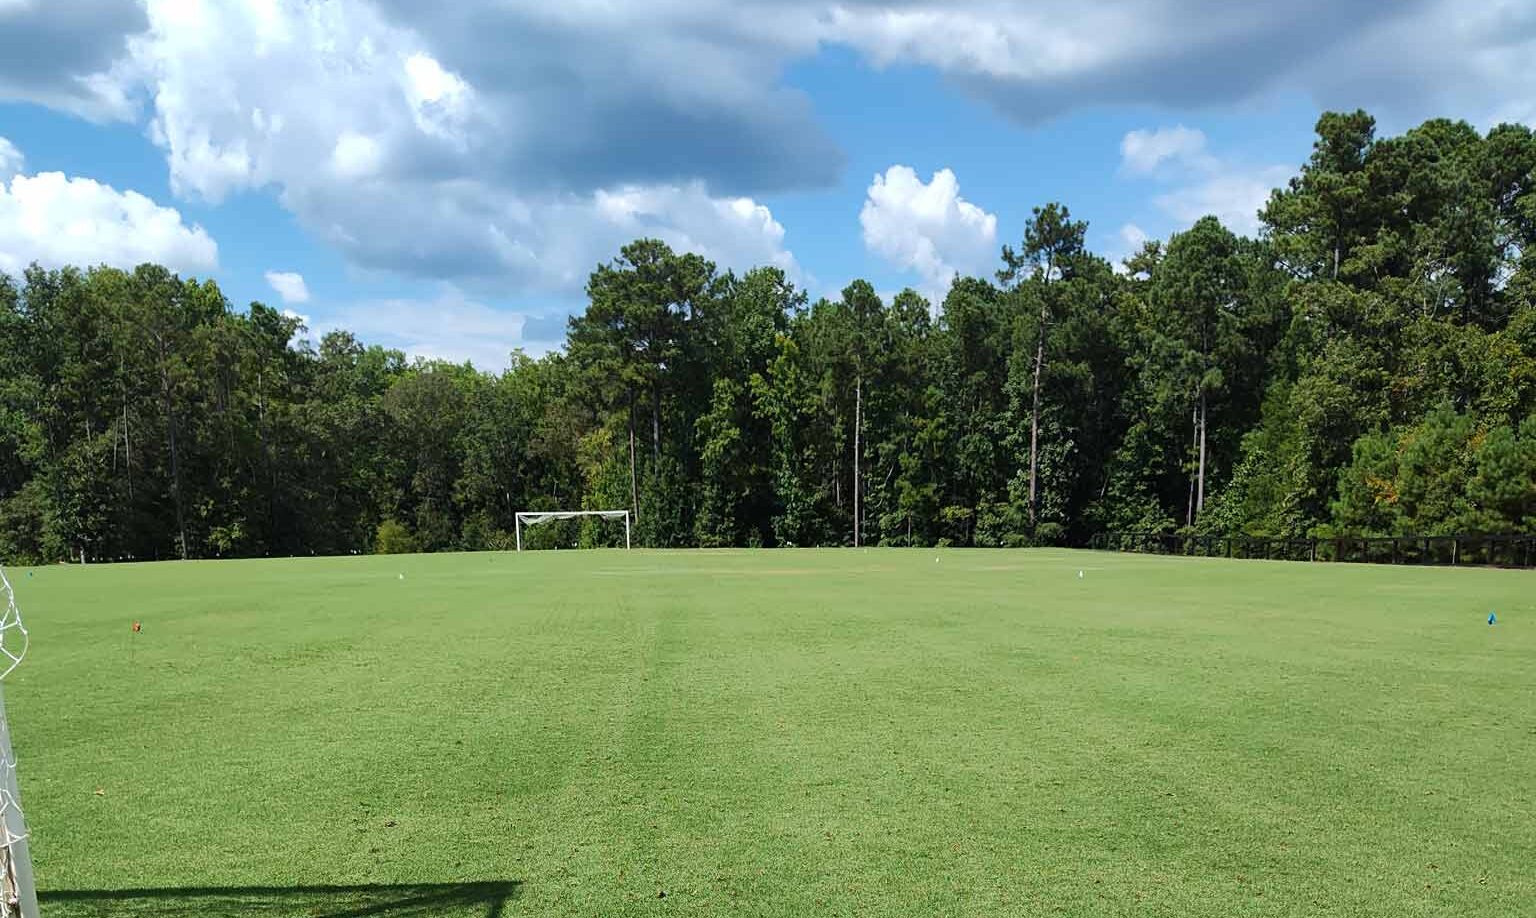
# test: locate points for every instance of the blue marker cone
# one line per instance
(1492, 619)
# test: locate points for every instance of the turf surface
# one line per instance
(779, 733)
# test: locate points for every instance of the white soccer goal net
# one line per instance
(18, 897)
(531, 518)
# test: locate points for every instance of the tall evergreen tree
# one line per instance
(1053, 246)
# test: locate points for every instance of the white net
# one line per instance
(13, 634)
(529, 519)
(16, 895)
(534, 519)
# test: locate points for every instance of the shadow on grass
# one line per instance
(421, 900)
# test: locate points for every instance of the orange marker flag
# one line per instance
(137, 628)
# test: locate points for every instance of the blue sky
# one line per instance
(442, 181)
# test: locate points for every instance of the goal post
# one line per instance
(18, 895)
(539, 517)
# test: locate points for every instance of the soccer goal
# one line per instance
(18, 897)
(532, 518)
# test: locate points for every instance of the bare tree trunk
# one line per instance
(1034, 418)
(1194, 439)
(858, 485)
(634, 479)
(170, 437)
(1034, 408)
(837, 481)
(655, 428)
(1200, 491)
(127, 448)
(266, 458)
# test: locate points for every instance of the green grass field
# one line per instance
(779, 733)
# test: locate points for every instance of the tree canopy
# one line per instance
(1365, 365)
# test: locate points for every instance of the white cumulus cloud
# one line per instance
(587, 73)
(70, 56)
(11, 160)
(57, 220)
(289, 285)
(1133, 237)
(439, 100)
(1142, 152)
(450, 326)
(1197, 182)
(1040, 59)
(356, 156)
(1234, 195)
(478, 234)
(418, 140)
(927, 227)
(398, 142)
(734, 232)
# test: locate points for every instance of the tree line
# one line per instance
(1366, 365)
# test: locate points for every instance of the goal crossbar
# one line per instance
(539, 517)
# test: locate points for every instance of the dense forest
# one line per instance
(1366, 365)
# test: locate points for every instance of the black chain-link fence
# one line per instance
(1465, 549)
